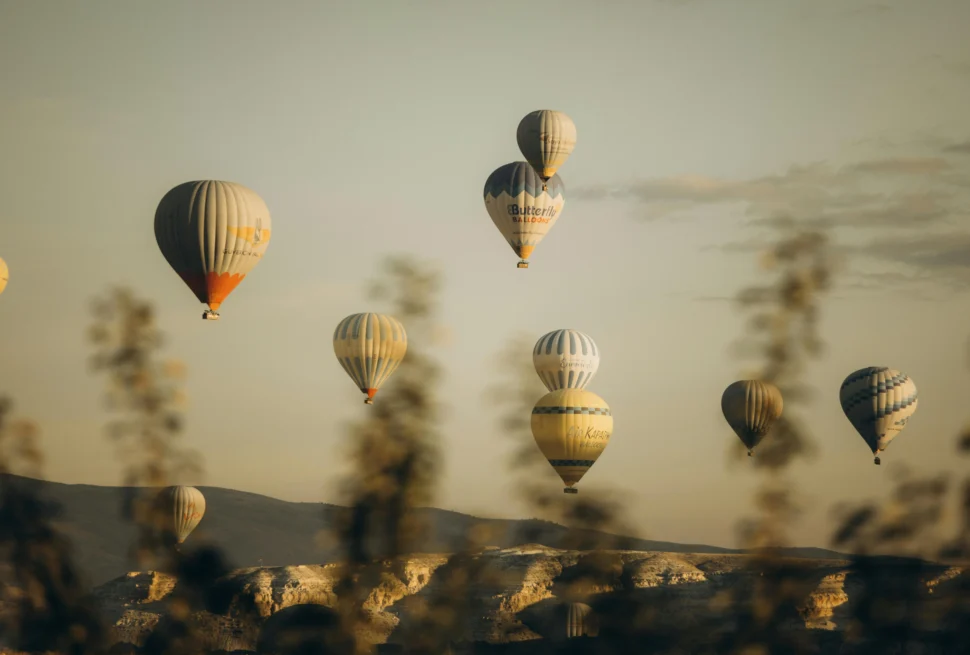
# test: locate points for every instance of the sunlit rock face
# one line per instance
(514, 594)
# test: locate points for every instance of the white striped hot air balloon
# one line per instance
(212, 234)
(369, 347)
(580, 620)
(572, 428)
(546, 138)
(522, 207)
(565, 359)
(879, 402)
(181, 509)
(751, 407)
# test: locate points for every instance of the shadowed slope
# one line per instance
(250, 527)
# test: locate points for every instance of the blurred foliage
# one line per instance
(916, 602)
(44, 603)
(145, 393)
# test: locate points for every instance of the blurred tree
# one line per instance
(146, 394)
(44, 604)
(395, 449)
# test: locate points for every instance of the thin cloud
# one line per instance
(940, 258)
(906, 211)
(932, 252)
(960, 148)
(903, 199)
(903, 165)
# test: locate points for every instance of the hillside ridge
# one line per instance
(258, 530)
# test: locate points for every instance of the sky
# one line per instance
(369, 129)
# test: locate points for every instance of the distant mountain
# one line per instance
(253, 529)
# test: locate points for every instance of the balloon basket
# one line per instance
(877, 461)
(209, 315)
(368, 401)
(750, 454)
(570, 490)
(522, 264)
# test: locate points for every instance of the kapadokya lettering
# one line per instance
(587, 433)
(572, 363)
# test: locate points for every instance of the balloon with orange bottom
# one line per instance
(212, 234)
(572, 428)
(4, 275)
(370, 347)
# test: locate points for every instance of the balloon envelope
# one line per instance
(182, 509)
(580, 621)
(751, 407)
(4, 275)
(212, 234)
(369, 347)
(521, 209)
(879, 402)
(546, 138)
(572, 428)
(565, 359)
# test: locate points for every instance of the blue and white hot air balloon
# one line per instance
(522, 206)
(879, 402)
(565, 359)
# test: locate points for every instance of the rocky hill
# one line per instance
(254, 530)
(515, 598)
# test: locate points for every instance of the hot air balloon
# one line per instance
(213, 234)
(181, 509)
(751, 407)
(522, 208)
(580, 621)
(370, 347)
(4, 274)
(571, 428)
(546, 139)
(565, 359)
(878, 401)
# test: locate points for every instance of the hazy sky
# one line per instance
(370, 127)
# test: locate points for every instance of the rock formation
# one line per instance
(512, 597)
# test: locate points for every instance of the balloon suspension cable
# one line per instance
(570, 490)
(523, 264)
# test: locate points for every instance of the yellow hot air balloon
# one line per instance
(181, 510)
(572, 428)
(370, 347)
(751, 407)
(546, 139)
(4, 274)
(879, 402)
(212, 234)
